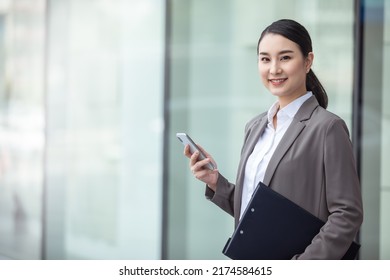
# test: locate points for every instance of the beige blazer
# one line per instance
(313, 166)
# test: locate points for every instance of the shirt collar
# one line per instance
(291, 109)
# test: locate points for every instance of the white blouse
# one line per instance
(265, 147)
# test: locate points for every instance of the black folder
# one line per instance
(274, 228)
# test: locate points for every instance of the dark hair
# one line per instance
(295, 32)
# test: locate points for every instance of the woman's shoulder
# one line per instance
(325, 115)
(326, 119)
(312, 112)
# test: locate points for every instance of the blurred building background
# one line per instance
(92, 93)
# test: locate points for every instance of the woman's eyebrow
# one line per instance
(281, 52)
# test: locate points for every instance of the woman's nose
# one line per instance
(275, 68)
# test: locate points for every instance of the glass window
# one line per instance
(22, 29)
(81, 119)
(385, 159)
(105, 96)
(376, 132)
(215, 89)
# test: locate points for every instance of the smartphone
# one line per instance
(186, 140)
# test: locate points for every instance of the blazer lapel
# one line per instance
(295, 128)
(287, 140)
(253, 137)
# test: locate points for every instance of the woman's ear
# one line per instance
(309, 61)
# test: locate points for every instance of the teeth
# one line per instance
(279, 80)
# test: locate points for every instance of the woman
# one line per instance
(297, 148)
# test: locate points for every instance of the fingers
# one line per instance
(208, 156)
(199, 169)
(193, 161)
(202, 174)
(210, 177)
(196, 164)
(187, 152)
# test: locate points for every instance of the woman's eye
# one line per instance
(286, 57)
(264, 59)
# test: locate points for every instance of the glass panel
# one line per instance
(385, 159)
(375, 178)
(105, 96)
(215, 90)
(21, 127)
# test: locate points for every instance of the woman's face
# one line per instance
(283, 68)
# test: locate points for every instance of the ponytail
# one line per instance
(315, 86)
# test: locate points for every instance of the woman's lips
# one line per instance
(277, 82)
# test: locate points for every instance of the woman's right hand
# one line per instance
(199, 169)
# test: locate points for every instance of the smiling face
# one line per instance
(283, 67)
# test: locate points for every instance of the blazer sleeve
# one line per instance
(343, 197)
(224, 195)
